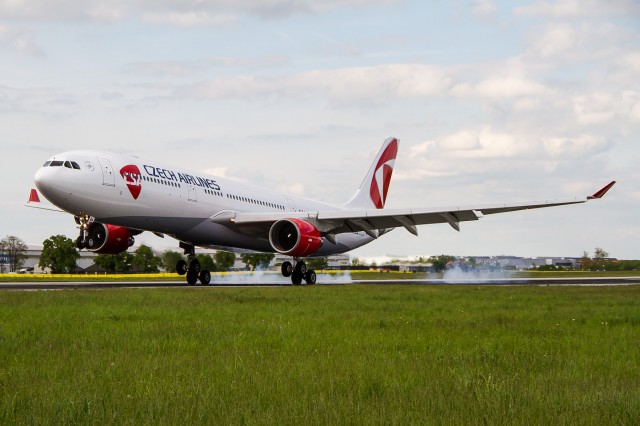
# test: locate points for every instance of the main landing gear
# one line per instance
(192, 269)
(299, 273)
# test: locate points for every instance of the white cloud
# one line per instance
(606, 107)
(258, 62)
(218, 171)
(190, 19)
(38, 99)
(562, 42)
(485, 143)
(19, 40)
(484, 8)
(579, 8)
(495, 152)
(632, 61)
(170, 68)
(581, 146)
(510, 86)
(556, 40)
(294, 188)
(172, 12)
(634, 113)
(370, 84)
(595, 109)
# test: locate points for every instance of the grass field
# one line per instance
(387, 354)
(355, 275)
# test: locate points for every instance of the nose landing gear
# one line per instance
(84, 222)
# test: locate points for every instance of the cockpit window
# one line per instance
(59, 163)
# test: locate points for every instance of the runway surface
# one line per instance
(48, 285)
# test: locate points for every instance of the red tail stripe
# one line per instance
(389, 154)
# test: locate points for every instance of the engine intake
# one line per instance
(108, 239)
(295, 237)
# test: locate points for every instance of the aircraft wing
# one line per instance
(330, 223)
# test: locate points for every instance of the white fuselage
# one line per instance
(146, 195)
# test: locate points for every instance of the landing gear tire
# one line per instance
(286, 269)
(181, 267)
(192, 278)
(310, 276)
(205, 277)
(296, 278)
(301, 267)
(194, 266)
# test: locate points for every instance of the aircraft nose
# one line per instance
(39, 177)
(47, 182)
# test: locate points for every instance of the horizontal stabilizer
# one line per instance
(34, 201)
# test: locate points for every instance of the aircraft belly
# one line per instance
(207, 233)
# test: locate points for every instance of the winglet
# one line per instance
(33, 196)
(601, 193)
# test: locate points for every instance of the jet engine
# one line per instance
(295, 237)
(108, 239)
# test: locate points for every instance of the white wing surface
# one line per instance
(371, 221)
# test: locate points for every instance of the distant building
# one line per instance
(35, 251)
(340, 261)
(86, 263)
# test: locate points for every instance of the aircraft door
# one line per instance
(193, 196)
(108, 178)
(292, 205)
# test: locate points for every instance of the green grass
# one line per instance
(355, 275)
(386, 354)
(392, 275)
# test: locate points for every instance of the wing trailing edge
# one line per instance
(372, 220)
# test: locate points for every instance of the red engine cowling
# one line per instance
(295, 237)
(108, 239)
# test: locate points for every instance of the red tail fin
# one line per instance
(375, 187)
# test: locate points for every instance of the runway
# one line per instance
(50, 285)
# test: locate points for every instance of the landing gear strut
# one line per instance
(84, 222)
(192, 269)
(298, 273)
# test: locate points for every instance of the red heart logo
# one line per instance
(133, 179)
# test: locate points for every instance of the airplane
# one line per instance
(115, 197)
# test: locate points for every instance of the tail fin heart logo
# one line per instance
(133, 179)
(382, 175)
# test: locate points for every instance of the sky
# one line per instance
(492, 102)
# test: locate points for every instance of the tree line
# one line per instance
(60, 255)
